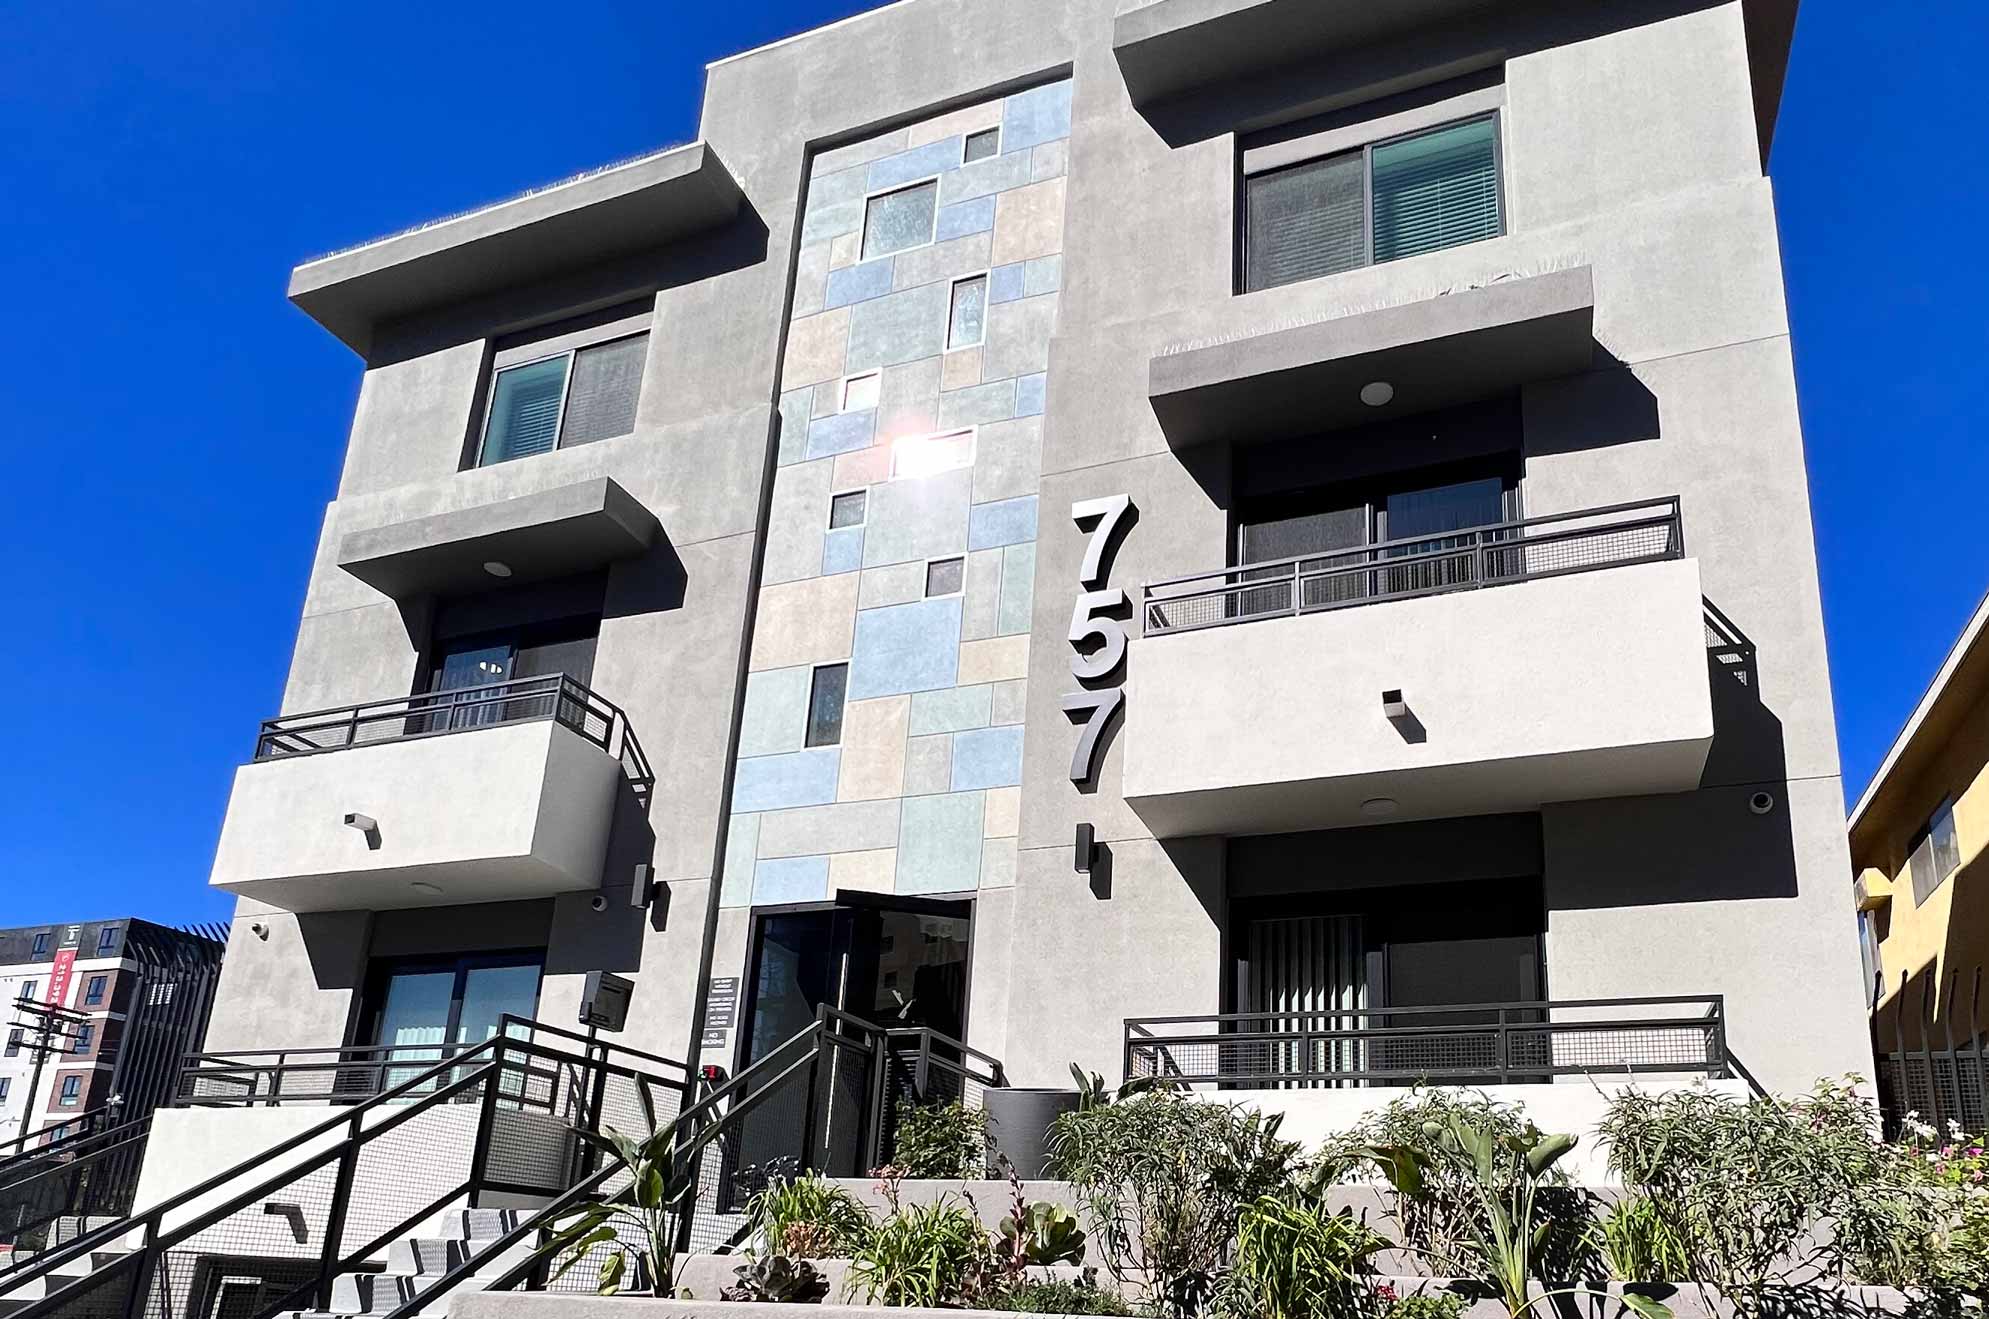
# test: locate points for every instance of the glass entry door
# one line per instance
(466, 670)
(422, 1010)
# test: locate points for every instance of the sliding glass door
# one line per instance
(421, 1010)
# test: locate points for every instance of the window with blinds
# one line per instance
(577, 397)
(1420, 193)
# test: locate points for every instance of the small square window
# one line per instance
(846, 510)
(945, 576)
(861, 393)
(966, 322)
(107, 939)
(28, 990)
(86, 1035)
(825, 705)
(41, 946)
(981, 145)
(928, 455)
(72, 1091)
(93, 989)
(894, 221)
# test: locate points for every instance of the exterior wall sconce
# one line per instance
(1087, 848)
(1392, 704)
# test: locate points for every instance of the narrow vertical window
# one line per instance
(966, 323)
(72, 1090)
(894, 221)
(825, 705)
(981, 145)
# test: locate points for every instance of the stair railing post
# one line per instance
(348, 1166)
(141, 1273)
(486, 1131)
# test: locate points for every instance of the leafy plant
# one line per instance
(1042, 1233)
(1091, 1091)
(927, 1255)
(662, 1182)
(1297, 1260)
(1420, 1304)
(940, 1140)
(1165, 1179)
(1640, 1246)
(1505, 1173)
(777, 1278)
(1081, 1295)
(809, 1218)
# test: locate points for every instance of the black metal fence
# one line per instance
(1471, 1043)
(1497, 554)
(1933, 1060)
(429, 714)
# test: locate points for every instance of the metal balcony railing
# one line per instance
(1497, 554)
(1467, 1043)
(553, 696)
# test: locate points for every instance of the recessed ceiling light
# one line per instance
(1380, 806)
(496, 569)
(428, 889)
(1377, 393)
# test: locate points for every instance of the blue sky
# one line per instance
(173, 427)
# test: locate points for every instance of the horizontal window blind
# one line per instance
(607, 379)
(524, 410)
(1436, 190)
(1305, 221)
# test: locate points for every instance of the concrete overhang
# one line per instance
(545, 534)
(477, 815)
(1567, 688)
(644, 203)
(1874, 890)
(1454, 348)
(1171, 48)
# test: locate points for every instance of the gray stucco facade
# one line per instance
(1632, 327)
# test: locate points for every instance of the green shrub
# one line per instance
(1420, 1304)
(940, 1140)
(809, 1218)
(1640, 1246)
(1296, 1260)
(1166, 1179)
(1060, 1296)
(926, 1255)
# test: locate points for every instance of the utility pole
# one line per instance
(51, 1033)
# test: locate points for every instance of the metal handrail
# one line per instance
(1403, 557)
(555, 696)
(1343, 1050)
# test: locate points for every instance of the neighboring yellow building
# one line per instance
(1917, 840)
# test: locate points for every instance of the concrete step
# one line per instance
(371, 1293)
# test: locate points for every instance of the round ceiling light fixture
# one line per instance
(425, 888)
(1377, 393)
(497, 569)
(1378, 806)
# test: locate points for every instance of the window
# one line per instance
(93, 990)
(107, 939)
(72, 1091)
(981, 145)
(894, 221)
(825, 705)
(41, 946)
(6, 1084)
(86, 1035)
(860, 393)
(55, 1134)
(929, 455)
(28, 990)
(945, 576)
(13, 1041)
(967, 319)
(1429, 190)
(846, 510)
(1935, 855)
(577, 397)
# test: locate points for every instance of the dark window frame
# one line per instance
(571, 355)
(816, 689)
(40, 945)
(71, 1092)
(94, 990)
(1366, 151)
(106, 940)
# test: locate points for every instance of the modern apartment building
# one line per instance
(94, 1010)
(1264, 541)
(1917, 836)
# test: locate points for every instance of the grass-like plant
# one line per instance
(1639, 1245)
(809, 1218)
(1295, 1259)
(926, 1255)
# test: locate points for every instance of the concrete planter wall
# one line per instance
(1019, 1121)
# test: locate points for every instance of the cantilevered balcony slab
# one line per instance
(485, 814)
(1434, 353)
(640, 204)
(1559, 688)
(536, 536)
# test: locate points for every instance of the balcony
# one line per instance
(1499, 667)
(481, 794)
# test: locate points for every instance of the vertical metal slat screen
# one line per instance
(1308, 965)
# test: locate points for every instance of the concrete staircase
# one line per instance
(415, 1263)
